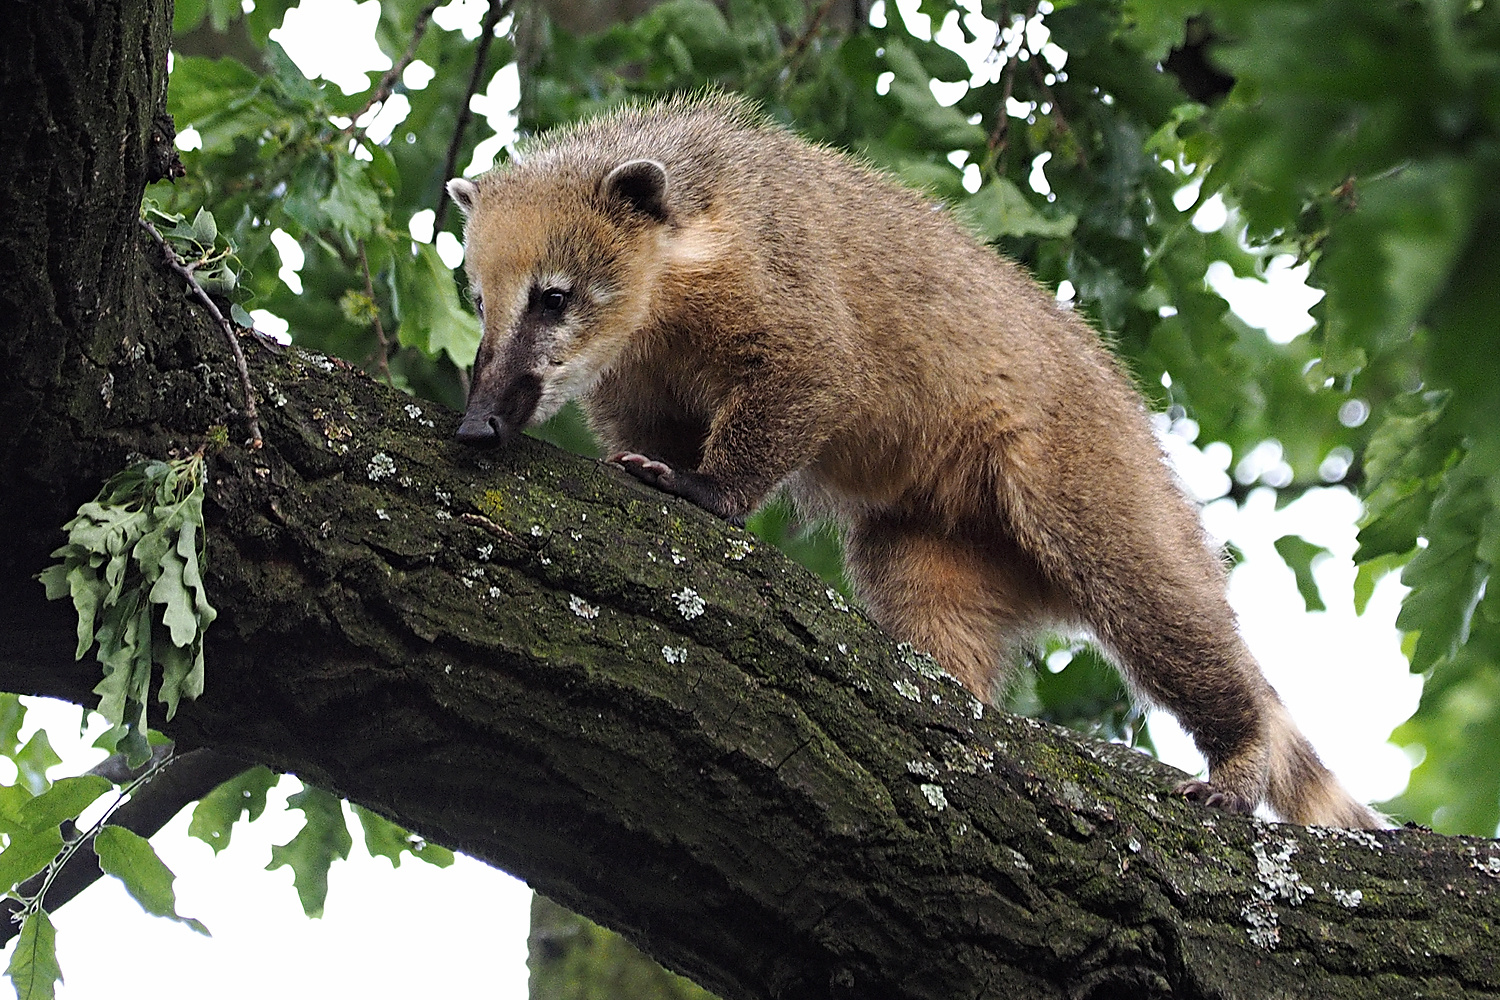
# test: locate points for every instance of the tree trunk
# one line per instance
(645, 713)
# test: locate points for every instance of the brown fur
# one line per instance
(747, 311)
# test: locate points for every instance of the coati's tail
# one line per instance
(1302, 790)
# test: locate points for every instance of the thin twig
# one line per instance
(388, 82)
(812, 26)
(30, 905)
(385, 345)
(176, 263)
(1056, 112)
(1000, 137)
(498, 9)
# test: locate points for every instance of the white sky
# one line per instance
(460, 932)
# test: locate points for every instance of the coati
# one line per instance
(739, 310)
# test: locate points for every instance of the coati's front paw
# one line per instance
(702, 490)
(1209, 794)
(647, 470)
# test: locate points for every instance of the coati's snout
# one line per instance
(497, 414)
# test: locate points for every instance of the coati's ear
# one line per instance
(464, 193)
(641, 184)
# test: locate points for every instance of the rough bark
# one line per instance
(507, 652)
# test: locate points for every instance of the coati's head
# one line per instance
(561, 262)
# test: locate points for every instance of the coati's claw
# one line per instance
(647, 470)
(1208, 794)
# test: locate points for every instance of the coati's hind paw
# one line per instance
(1209, 794)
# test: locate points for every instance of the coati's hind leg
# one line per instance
(1131, 557)
(972, 605)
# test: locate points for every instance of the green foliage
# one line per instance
(130, 858)
(132, 569)
(197, 243)
(40, 821)
(63, 801)
(1072, 684)
(323, 839)
(1298, 553)
(33, 965)
(432, 319)
(241, 796)
(384, 839)
(573, 958)
(28, 853)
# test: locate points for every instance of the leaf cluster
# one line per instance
(132, 566)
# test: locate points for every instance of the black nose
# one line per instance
(481, 429)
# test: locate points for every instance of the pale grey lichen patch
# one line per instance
(415, 412)
(677, 557)
(1275, 872)
(677, 654)
(1349, 898)
(577, 536)
(1362, 837)
(837, 599)
(935, 797)
(924, 768)
(1275, 879)
(382, 466)
(1264, 927)
(381, 514)
(969, 760)
(1020, 860)
(738, 549)
(484, 552)
(907, 689)
(444, 515)
(1489, 866)
(536, 531)
(689, 604)
(583, 609)
(495, 592)
(922, 663)
(443, 496)
(1072, 796)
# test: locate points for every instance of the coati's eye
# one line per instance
(553, 300)
(479, 305)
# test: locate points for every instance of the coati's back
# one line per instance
(739, 310)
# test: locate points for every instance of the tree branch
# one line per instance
(183, 780)
(388, 81)
(498, 9)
